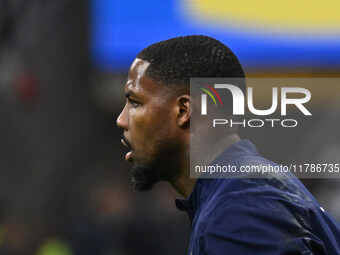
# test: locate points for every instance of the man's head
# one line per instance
(156, 116)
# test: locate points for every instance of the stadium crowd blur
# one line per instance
(64, 185)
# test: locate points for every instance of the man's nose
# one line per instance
(122, 120)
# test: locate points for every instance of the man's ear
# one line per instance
(184, 109)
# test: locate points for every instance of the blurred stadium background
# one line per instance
(64, 186)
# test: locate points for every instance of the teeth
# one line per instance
(122, 141)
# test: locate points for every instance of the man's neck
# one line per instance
(183, 183)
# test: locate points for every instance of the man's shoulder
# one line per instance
(260, 189)
(259, 213)
(272, 198)
(272, 210)
(257, 178)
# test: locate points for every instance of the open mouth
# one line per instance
(127, 144)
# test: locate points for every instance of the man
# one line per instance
(273, 215)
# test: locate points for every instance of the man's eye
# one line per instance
(133, 103)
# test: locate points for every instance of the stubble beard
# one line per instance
(143, 178)
(163, 168)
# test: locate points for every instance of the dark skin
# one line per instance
(156, 124)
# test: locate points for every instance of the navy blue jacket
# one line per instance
(264, 216)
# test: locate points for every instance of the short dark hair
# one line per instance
(175, 61)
